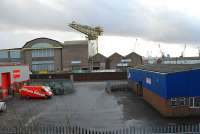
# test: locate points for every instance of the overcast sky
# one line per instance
(171, 23)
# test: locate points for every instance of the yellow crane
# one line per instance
(91, 33)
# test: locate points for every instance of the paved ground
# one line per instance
(88, 107)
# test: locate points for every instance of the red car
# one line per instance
(34, 91)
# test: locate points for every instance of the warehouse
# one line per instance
(172, 89)
(11, 76)
(48, 55)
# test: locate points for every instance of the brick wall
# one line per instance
(84, 76)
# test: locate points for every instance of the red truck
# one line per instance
(35, 91)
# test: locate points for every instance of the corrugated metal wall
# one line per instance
(178, 84)
(24, 73)
(184, 83)
(153, 81)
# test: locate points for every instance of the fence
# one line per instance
(40, 129)
(116, 85)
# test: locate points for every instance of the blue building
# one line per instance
(172, 89)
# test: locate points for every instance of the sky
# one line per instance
(129, 26)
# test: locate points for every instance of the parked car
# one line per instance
(35, 91)
(3, 106)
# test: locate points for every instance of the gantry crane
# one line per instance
(91, 33)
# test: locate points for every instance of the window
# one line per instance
(43, 65)
(173, 102)
(194, 102)
(15, 54)
(42, 45)
(3, 54)
(43, 53)
(182, 101)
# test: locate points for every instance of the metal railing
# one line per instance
(42, 129)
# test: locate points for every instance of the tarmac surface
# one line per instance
(89, 107)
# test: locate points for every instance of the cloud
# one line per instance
(125, 18)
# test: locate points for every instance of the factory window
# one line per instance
(182, 101)
(194, 102)
(173, 102)
(43, 66)
(43, 53)
(15, 54)
(42, 45)
(3, 54)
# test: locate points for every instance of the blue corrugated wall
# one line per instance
(158, 81)
(184, 83)
(179, 84)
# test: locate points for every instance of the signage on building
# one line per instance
(16, 73)
(148, 80)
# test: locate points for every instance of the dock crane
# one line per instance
(182, 53)
(162, 54)
(91, 33)
(159, 60)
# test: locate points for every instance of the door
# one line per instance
(140, 89)
(5, 77)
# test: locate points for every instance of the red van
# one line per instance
(34, 91)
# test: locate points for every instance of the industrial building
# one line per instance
(117, 61)
(11, 76)
(172, 89)
(48, 55)
(98, 62)
(180, 60)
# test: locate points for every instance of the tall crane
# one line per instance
(91, 33)
(183, 52)
(162, 54)
(198, 51)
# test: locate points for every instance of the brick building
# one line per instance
(48, 55)
(98, 62)
(133, 59)
(117, 61)
(172, 89)
(113, 60)
(75, 55)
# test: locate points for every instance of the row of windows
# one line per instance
(13, 54)
(43, 53)
(192, 102)
(42, 67)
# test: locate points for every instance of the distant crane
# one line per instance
(162, 54)
(183, 52)
(91, 33)
(198, 50)
(135, 45)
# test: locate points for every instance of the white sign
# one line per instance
(148, 80)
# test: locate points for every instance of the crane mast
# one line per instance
(91, 33)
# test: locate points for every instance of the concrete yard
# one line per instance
(89, 106)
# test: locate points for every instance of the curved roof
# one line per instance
(54, 43)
